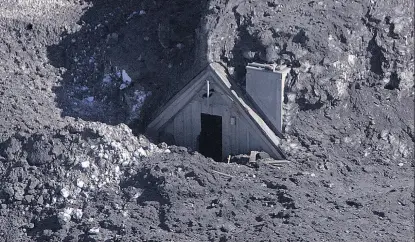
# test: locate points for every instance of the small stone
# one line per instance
(123, 86)
(18, 194)
(78, 213)
(68, 211)
(33, 183)
(312, 175)
(384, 134)
(247, 54)
(80, 183)
(64, 192)
(40, 200)
(28, 198)
(162, 145)
(31, 191)
(85, 164)
(94, 230)
(400, 164)
(64, 218)
(141, 152)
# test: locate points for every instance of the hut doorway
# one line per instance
(210, 143)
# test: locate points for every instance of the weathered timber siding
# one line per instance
(185, 126)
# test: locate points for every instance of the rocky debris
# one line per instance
(132, 188)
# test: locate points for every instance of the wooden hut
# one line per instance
(216, 117)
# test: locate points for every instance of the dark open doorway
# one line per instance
(210, 143)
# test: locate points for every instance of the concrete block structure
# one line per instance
(212, 115)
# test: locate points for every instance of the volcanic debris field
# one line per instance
(79, 81)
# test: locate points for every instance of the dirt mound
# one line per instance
(92, 182)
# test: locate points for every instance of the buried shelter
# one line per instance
(214, 116)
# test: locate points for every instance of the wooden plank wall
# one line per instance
(236, 139)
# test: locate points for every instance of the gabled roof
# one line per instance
(218, 74)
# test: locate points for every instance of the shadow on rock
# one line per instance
(122, 60)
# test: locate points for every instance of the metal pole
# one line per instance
(208, 87)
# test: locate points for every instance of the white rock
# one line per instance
(137, 195)
(142, 12)
(400, 164)
(64, 192)
(125, 77)
(312, 175)
(62, 216)
(90, 99)
(94, 230)
(131, 15)
(68, 211)
(85, 164)
(123, 86)
(80, 183)
(78, 213)
(141, 152)
(351, 59)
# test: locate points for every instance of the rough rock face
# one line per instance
(351, 84)
(349, 121)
